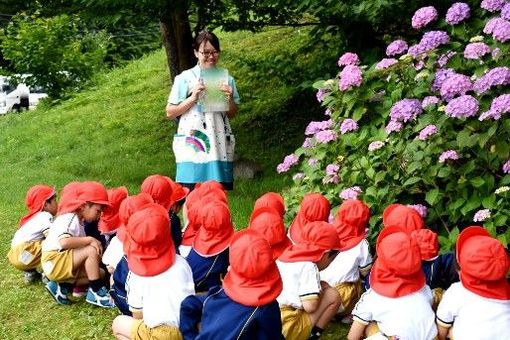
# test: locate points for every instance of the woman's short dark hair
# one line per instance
(204, 36)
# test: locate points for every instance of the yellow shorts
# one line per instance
(58, 265)
(350, 293)
(140, 331)
(25, 256)
(296, 323)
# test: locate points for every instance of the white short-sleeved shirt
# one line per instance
(113, 253)
(347, 264)
(159, 297)
(408, 317)
(473, 316)
(33, 229)
(300, 281)
(65, 225)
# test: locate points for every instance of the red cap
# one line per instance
(402, 216)
(483, 263)
(397, 269)
(253, 278)
(159, 188)
(350, 222)
(128, 207)
(35, 199)
(271, 200)
(318, 238)
(75, 194)
(215, 230)
(149, 247)
(428, 243)
(109, 220)
(314, 207)
(269, 224)
(213, 190)
(179, 192)
(191, 210)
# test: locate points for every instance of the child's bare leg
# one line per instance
(89, 259)
(122, 327)
(328, 306)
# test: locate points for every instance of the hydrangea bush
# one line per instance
(427, 126)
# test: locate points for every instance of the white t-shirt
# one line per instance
(65, 225)
(184, 250)
(347, 264)
(159, 297)
(300, 280)
(473, 316)
(409, 317)
(33, 229)
(113, 253)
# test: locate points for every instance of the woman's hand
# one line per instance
(225, 88)
(197, 90)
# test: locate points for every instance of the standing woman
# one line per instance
(204, 143)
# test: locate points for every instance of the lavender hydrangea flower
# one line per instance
(348, 125)
(393, 126)
(457, 84)
(420, 208)
(416, 50)
(495, 77)
(482, 215)
(449, 154)
(423, 16)
(385, 63)
(506, 167)
(405, 110)
(427, 131)
(444, 58)
(457, 13)
(440, 77)
(492, 5)
(375, 145)
(313, 161)
(491, 25)
(314, 127)
(348, 58)
(321, 93)
(397, 47)
(501, 32)
(499, 106)
(298, 176)
(350, 77)
(308, 143)
(505, 11)
(419, 65)
(496, 53)
(326, 136)
(331, 174)
(476, 50)
(288, 162)
(332, 169)
(351, 193)
(433, 39)
(328, 112)
(428, 101)
(462, 107)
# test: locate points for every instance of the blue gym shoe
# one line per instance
(57, 293)
(100, 298)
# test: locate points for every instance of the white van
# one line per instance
(18, 98)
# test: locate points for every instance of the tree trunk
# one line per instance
(176, 35)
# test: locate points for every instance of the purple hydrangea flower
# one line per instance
(313, 161)
(496, 76)
(491, 25)
(443, 58)
(298, 176)
(321, 93)
(397, 47)
(375, 145)
(348, 125)
(332, 169)
(328, 112)
(420, 208)
(492, 5)
(505, 11)
(427, 131)
(457, 13)
(457, 84)
(351, 193)
(501, 32)
(440, 77)
(482, 215)
(462, 107)
(350, 77)
(314, 127)
(428, 101)
(499, 105)
(476, 50)
(331, 174)
(496, 53)
(419, 65)
(423, 16)
(405, 110)
(326, 136)
(348, 58)
(393, 126)
(308, 143)
(288, 162)
(506, 167)
(449, 154)
(385, 63)
(433, 39)
(416, 50)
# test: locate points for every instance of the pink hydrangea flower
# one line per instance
(495, 77)
(428, 101)
(457, 13)
(420, 208)
(506, 167)
(375, 145)
(423, 16)
(351, 193)
(326, 136)
(444, 58)
(393, 126)
(348, 58)
(492, 5)
(385, 63)
(321, 93)
(350, 77)
(505, 11)
(499, 106)
(313, 161)
(397, 47)
(476, 50)
(348, 125)
(427, 131)
(482, 215)
(314, 127)
(288, 162)
(308, 143)
(448, 154)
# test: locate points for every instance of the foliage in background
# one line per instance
(57, 53)
(430, 129)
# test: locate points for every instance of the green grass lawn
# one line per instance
(115, 132)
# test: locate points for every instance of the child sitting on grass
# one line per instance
(25, 252)
(68, 256)
(313, 207)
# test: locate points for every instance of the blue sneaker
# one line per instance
(57, 293)
(100, 298)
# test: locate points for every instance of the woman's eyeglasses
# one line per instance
(209, 53)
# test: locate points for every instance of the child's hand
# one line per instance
(97, 245)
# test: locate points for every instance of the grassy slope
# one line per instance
(116, 133)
